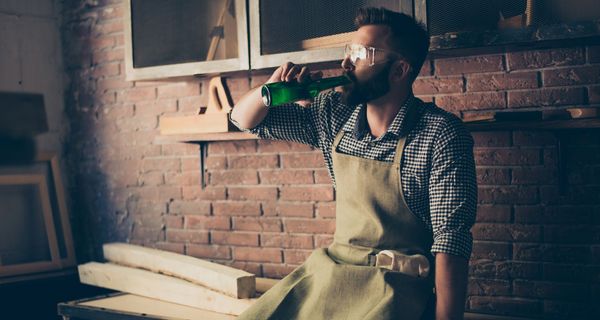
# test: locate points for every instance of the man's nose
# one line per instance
(347, 64)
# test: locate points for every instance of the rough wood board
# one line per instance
(264, 284)
(230, 281)
(161, 287)
(153, 307)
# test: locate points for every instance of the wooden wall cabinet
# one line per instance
(177, 38)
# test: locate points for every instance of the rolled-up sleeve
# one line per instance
(453, 191)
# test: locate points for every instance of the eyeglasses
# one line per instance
(360, 54)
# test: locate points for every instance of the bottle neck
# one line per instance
(331, 82)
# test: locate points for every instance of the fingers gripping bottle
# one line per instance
(278, 93)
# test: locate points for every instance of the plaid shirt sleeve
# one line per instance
(453, 191)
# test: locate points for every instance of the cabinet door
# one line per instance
(172, 38)
(306, 31)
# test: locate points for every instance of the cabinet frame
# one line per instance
(189, 68)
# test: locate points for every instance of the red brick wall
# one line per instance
(268, 204)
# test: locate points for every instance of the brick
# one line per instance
(146, 179)
(302, 160)
(192, 105)
(232, 147)
(313, 193)
(493, 176)
(558, 309)
(174, 221)
(426, 69)
(529, 214)
(309, 226)
(193, 236)
(508, 195)
(550, 290)
(146, 234)
(105, 70)
(565, 234)
(171, 247)
(502, 81)
(283, 177)
(207, 222)
(208, 251)
(491, 139)
(323, 240)
(233, 177)
(209, 193)
(571, 76)
(493, 213)
(179, 90)
(560, 272)
(252, 193)
(102, 42)
(179, 149)
(593, 54)
(551, 253)
(107, 27)
(326, 209)
(284, 240)
(253, 162)
(111, 55)
(295, 256)
(273, 146)
(465, 65)
(257, 254)
(214, 163)
(252, 267)
(534, 138)
(506, 157)
(157, 192)
(189, 178)
(277, 271)
(160, 164)
(138, 94)
(545, 58)
(303, 210)
(236, 208)
(508, 270)
(436, 85)
(534, 175)
(256, 224)
(546, 97)
(103, 85)
(565, 214)
(111, 13)
(505, 305)
(155, 107)
(472, 101)
(488, 287)
(322, 177)
(506, 232)
(490, 250)
(234, 238)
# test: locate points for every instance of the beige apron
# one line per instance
(341, 282)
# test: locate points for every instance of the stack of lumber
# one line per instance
(173, 278)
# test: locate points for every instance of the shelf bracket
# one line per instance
(202, 145)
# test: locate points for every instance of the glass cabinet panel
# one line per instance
(169, 38)
(305, 31)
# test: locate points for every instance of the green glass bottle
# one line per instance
(278, 93)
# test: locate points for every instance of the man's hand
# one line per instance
(290, 72)
(451, 274)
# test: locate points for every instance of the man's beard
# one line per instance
(368, 90)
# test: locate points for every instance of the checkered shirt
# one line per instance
(437, 169)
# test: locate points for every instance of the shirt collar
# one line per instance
(357, 123)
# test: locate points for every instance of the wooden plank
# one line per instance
(230, 281)
(153, 308)
(161, 287)
(264, 284)
(201, 123)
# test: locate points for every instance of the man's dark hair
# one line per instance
(408, 37)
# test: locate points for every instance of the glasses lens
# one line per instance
(356, 53)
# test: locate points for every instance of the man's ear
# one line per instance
(400, 70)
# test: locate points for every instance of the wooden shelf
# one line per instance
(534, 125)
(202, 137)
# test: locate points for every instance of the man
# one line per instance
(404, 177)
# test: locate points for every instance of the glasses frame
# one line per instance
(368, 50)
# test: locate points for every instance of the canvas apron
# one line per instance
(341, 282)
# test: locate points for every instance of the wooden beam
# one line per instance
(264, 284)
(161, 287)
(230, 281)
